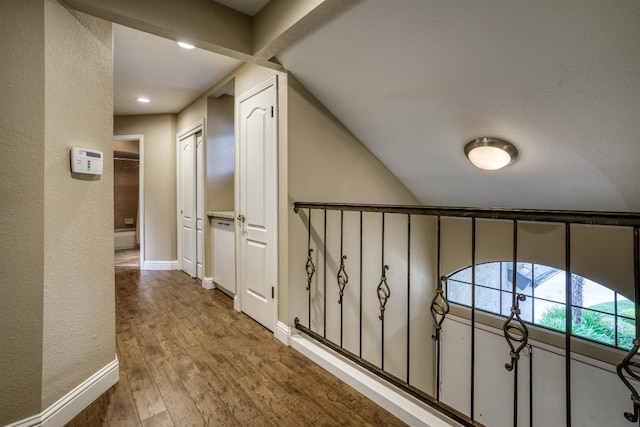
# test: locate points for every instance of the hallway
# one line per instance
(187, 358)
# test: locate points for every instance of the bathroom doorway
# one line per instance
(128, 198)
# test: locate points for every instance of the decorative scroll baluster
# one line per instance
(515, 332)
(627, 363)
(311, 269)
(439, 308)
(343, 279)
(384, 292)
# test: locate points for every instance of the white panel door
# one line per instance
(257, 207)
(199, 190)
(187, 200)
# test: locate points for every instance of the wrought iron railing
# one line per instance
(515, 331)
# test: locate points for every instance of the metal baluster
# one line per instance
(515, 331)
(438, 325)
(324, 278)
(568, 327)
(384, 292)
(342, 276)
(439, 310)
(624, 367)
(408, 297)
(360, 335)
(309, 267)
(473, 317)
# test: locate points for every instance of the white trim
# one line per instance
(160, 265)
(283, 333)
(74, 402)
(182, 134)
(190, 130)
(403, 406)
(236, 303)
(140, 139)
(207, 283)
(272, 81)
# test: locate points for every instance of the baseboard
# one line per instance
(207, 283)
(236, 303)
(74, 402)
(403, 406)
(283, 333)
(160, 265)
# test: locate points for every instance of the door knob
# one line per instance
(241, 218)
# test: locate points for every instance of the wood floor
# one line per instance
(188, 359)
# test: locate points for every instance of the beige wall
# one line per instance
(22, 207)
(79, 298)
(220, 154)
(159, 158)
(326, 163)
(57, 310)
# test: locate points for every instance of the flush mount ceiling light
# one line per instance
(143, 100)
(185, 45)
(490, 153)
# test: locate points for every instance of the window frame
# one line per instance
(507, 290)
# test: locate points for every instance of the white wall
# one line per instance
(598, 396)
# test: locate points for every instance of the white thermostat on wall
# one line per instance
(85, 160)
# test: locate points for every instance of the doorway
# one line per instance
(128, 158)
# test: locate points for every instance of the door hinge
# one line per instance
(272, 111)
(273, 293)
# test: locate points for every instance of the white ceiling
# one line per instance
(157, 68)
(415, 80)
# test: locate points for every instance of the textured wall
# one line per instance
(22, 207)
(79, 301)
(159, 159)
(220, 154)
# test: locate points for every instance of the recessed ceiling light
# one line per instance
(491, 153)
(185, 45)
(143, 99)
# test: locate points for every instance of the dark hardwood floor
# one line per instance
(187, 358)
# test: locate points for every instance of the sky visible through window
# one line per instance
(598, 313)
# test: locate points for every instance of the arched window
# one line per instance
(599, 314)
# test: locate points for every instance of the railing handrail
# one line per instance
(628, 219)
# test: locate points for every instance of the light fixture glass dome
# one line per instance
(186, 45)
(490, 153)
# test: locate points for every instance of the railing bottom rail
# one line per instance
(418, 394)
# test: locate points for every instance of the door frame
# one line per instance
(188, 131)
(272, 81)
(141, 233)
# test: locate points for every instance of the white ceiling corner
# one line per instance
(248, 7)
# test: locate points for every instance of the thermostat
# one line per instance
(85, 160)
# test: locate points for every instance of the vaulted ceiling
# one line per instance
(415, 80)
